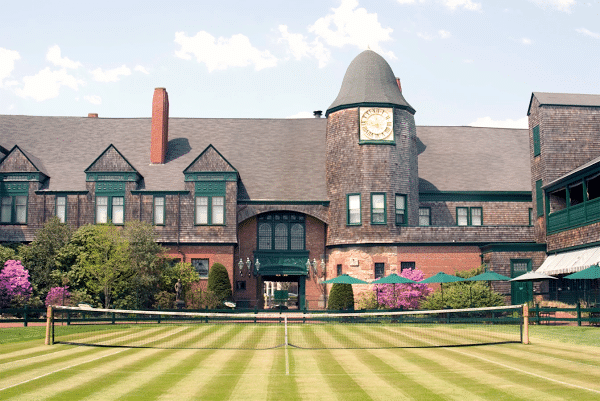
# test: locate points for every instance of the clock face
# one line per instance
(376, 124)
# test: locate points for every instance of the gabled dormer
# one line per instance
(111, 165)
(19, 165)
(210, 165)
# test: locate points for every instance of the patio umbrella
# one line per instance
(441, 278)
(591, 273)
(344, 279)
(533, 276)
(392, 279)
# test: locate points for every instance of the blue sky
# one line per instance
(461, 62)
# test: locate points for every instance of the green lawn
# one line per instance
(560, 363)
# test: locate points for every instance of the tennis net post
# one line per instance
(49, 326)
(525, 334)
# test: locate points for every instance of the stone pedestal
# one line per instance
(179, 304)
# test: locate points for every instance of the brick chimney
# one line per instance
(398, 82)
(92, 115)
(160, 126)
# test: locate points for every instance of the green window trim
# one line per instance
(353, 210)
(13, 209)
(158, 210)
(60, 207)
(469, 216)
(519, 262)
(539, 198)
(281, 231)
(378, 208)
(424, 216)
(109, 209)
(400, 208)
(210, 203)
(536, 141)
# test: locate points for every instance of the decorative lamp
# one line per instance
(241, 265)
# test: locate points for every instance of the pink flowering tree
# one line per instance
(405, 296)
(15, 287)
(58, 296)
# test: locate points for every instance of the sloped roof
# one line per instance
(565, 99)
(369, 79)
(277, 159)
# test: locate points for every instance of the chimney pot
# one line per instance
(317, 113)
(92, 115)
(398, 82)
(160, 126)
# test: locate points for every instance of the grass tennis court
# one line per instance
(545, 370)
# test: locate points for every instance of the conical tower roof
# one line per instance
(369, 80)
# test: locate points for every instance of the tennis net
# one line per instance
(264, 330)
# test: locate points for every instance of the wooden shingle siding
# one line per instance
(494, 213)
(210, 160)
(574, 238)
(111, 160)
(16, 162)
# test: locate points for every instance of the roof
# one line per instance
(473, 159)
(565, 99)
(369, 79)
(277, 159)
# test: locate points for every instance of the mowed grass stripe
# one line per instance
(471, 384)
(257, 378)
(280, 385)
(382, 369)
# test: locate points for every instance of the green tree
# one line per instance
(7, 253)
(40, 255)
(97, 260)
(145, 256)
(464, 294)
(218, 282)
(341, 297)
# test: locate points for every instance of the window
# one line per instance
(353, 217)
(592, 184)
(536, 141)
(6, 213)
(110, 208)
(281, 231)
(201, 266)
(13, 209)
(240, 285)
(576, 194)
(424, 216)
(476, 216)
(159, 210)
(378, 209)
(400, 210)
(466, 216)
(407, 266)
(539, 198)
(379, 270)
(339, 270)
(210, 203)
(61, 208)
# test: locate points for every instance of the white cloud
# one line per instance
(349, 25)
(94, 99)
(508, 123)
(440, 34)
(302, 114)
(526, 41)
(444, 34)
(467, 4)
(110, 75)
(560, 5)
(300, 48)
(46, 84)
(468, 60)
(141, 69)
(54, 57)
(582, 31)
(7, 63)
(222, 53)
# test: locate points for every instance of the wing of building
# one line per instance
(363, 191)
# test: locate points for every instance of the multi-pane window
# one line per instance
(110, 208)
(378, 209)
(379, 270)
(338, 270)
(400, 210)
(101, 209)
(201, 266)
(281, 231)
(466, 216)
(159, 210)
(13, 209)
(210, 203)
(61, 208)
(407, 266)
(424, 216)
(118, 209)
(354, 209)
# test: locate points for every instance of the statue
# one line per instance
(178, 287)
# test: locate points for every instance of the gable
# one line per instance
(17, 161)
(111, 160)
(210, 160)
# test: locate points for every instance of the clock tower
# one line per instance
(371, 172)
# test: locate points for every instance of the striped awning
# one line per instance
(570, 262)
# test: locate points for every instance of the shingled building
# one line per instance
(363, 191)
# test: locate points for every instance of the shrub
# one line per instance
(367, 300)
(15, 288)
(404, 296)
(218, 282)
(198, 297)
(341, 297)
(58, 296)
